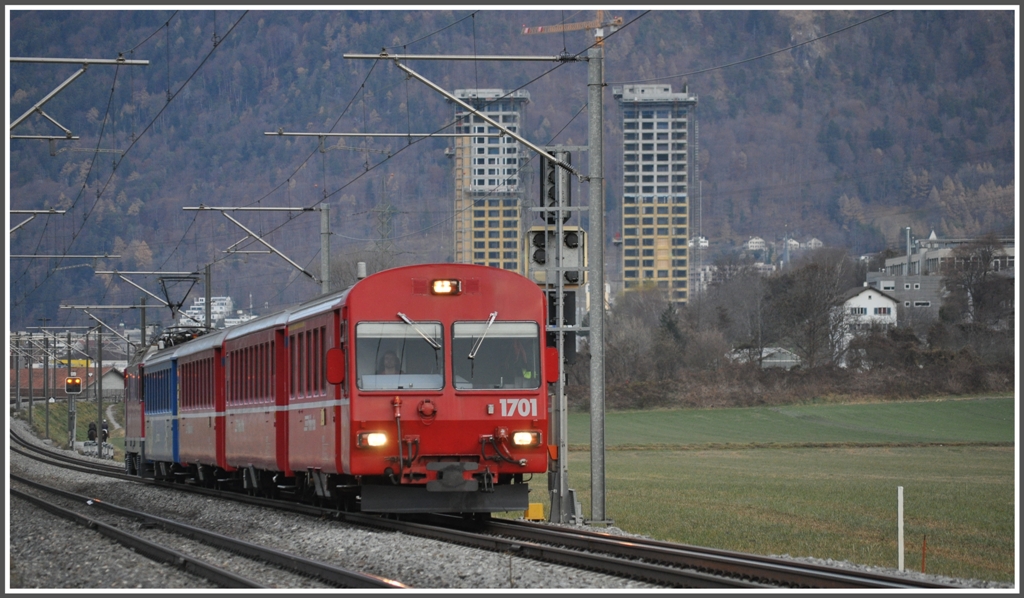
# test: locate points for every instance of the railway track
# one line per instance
(299, 570)
(662, 563)
(747, 568)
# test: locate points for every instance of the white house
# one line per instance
(814, 243)
(755, 244)
(866, 306)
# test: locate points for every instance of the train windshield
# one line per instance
(507, 355)
(396, 356)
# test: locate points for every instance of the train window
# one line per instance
(508, 356)
(293, 364)
(395, 355)
(321, 373)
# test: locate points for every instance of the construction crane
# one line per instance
(597, 25)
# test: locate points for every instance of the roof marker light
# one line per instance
(446, 287)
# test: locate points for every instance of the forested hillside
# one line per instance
(902, 120)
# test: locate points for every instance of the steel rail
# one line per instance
(142, 546)
(603, 563)
(768, 570)
(284, 560)
(80, 464)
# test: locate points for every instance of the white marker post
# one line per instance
(899, 510)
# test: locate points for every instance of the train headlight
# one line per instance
(448, 286)
(371, 439)
(526, 438)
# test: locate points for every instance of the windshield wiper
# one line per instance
(480, 341)
(432, 342)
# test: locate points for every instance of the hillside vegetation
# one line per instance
(903, 120)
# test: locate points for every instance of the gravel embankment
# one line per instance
(47, 552)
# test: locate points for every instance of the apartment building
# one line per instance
(489, 194)
(657, 126)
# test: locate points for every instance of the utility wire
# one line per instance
(470, 15)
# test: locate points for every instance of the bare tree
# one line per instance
(808, 303)
(745, 319)
(977, 293)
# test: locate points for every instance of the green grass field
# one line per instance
(816, 480)
(952, 421)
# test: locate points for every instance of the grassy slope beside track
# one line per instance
(817, 480)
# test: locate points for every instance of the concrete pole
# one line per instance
(209, 308)
(47, 389)
(72, 408)
(142, 343)
(31, 380)
(595, 112)
(99, 392)
(17, 372)
(325, 248)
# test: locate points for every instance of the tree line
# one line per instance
(709, 352)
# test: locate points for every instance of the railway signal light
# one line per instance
(543, 251)
(554, 187)
(73, 385)
(568, 319)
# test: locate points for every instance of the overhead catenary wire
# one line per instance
(368, 168)
(99, 192)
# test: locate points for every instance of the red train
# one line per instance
(418, 389)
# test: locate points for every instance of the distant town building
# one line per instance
(813, 244)
(755, 244)
(657, 134)
(195, 315)
(915, 279)
(222, 313)
(489, 206)
(710, 275)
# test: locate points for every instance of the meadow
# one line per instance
(806, 480)
(817, 480)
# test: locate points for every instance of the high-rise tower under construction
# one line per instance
(656, 137)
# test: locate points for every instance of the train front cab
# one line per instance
(461, 426)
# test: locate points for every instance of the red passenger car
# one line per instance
(201, 409)
(256, 431)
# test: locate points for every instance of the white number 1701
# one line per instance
(521, 407)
